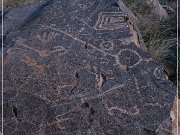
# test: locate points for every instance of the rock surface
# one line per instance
(73, 69)
(174, 116)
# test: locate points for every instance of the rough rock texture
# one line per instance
(75, 70)
(16, 18)
(174, 116)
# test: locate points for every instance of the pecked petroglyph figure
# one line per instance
(110, 21)
(76, 69)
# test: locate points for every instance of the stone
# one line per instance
(75, 69)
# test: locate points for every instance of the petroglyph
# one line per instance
(110, 21)
(105, 93)
(47, 38)
(60, 49)
(158, 73)
(20, 40)
(151, 104)
(85, 5)
(126, 41)
(79, 40)
(107, 45)
(15, 51)
(130, 111)
(64, 32)
(30, 62)
(128, 60)
(64, 114)
(76, 70)
(45, 52)
(60, 87)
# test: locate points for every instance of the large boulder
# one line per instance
(80, 68)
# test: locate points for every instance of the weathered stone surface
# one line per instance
(174, 116)
(75, 70)
(16, 18)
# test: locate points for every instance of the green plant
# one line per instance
(159, 36)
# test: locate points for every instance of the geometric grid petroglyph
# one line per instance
(110, 21)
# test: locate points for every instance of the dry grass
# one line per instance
(159, 36)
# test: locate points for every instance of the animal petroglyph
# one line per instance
(110, 21)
